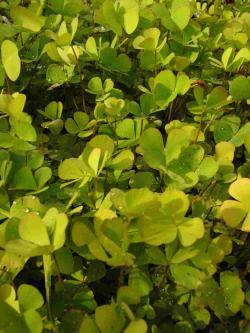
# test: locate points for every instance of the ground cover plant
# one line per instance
(124, 166)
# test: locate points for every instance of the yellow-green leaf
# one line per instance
(26, 18)
(10, 59)
(32, 229)
(137, 326)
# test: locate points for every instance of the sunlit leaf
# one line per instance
(10, 59)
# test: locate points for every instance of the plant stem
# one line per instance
(199, 128)
(170, 111)
(155, 59)
(8, 85)
(47, 277)
(72, 199)
(81, 80)
(128, 312)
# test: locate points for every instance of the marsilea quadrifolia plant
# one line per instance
(124, 166)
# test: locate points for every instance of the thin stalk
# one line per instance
(4, 212)
(47, 262)
(170, 111)
(72, 199)
(81, 80)
(128, 312)
(199, 128)
(8, 85)
(155, 60)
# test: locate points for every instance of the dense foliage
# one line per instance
(124, 166)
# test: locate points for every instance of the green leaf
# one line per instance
(28, 249)
(84, 300)
(157, 229)
(64, 259)
(26, 18)
(91, 46)
(246, 224)
(123, 161)
(140, 281)
(234, 296)
(8, 315)
(134, 202)
(217, 98)
(240, 190)
(184, 254)
(42, 175)
(29, 298)
(128, 295)
(222, 131)
(67, 7)
(32, 229)
(97, 152)
(122, 63)
(182, 84)
(177, 139)
(95, 85)
(201, 317)
(58, 238)
(238, 139)
(33, 321)
(180, 13)
(89, 325)
(247, 142)
(130, 14)
(24, 180)
(126, 129)
(55, 74)
(24, 130)
(149, 40)
(185, 275)
(111, 17)
(190, 230)
(233, 212)
(137, 325)
(73, 168)
(10, 59)
(164, 86)
(207, 169)
(97, 250)
(96, 270)
(81, 234)
(109, 319)
(214, 297)
(239, 88)
(153, 149)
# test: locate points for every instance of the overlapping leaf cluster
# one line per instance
(124, 166)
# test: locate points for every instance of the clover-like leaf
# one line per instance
(190, 230)
(129, 10)
(164, 86)
(89, 325)
(140, 281)
(29, 297)
(109, 319)
(27, 18)
(149, 39)
(240, 88)
(180, 13)
(234, 212)
(74, 168)
(32, 229)
(234, 296)
(137, 325)
(10, 59)
(153, 149)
